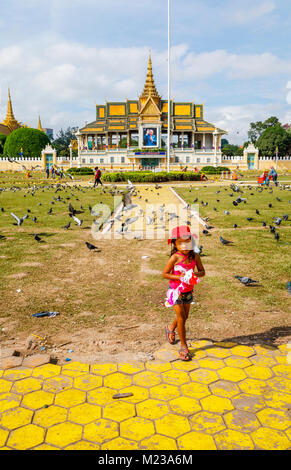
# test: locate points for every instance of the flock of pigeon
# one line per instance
(273, 226)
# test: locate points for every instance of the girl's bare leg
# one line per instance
(180, 323)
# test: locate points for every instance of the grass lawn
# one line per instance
(254, 253)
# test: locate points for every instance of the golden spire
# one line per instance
(150, 87)
(40, 128)
(10, 120)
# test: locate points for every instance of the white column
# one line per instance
(203, 141)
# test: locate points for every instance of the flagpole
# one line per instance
(169, 102)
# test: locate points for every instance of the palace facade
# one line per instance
(133, 133)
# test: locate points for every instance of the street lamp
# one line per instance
(169, 102)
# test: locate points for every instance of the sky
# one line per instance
(61, 57)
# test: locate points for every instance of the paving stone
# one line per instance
(233, 440)
(241, 421)
(10, 361)
(137, 428)
(101, 431)
(158, 442)
(120, 444)
(36, 360)
(64, 434)
(205, 421)
(270, 439)
(196, 441)
(26, 437)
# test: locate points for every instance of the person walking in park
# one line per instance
(274, 175)
(97, 177)
(180, 272)
(53, 172)
(47, 170)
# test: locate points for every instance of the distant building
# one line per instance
(9, 124)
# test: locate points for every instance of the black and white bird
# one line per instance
(78, 222)
(19, 220)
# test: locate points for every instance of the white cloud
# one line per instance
(252, 12)
(63, 80)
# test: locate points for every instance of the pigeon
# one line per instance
(270, 205)
(247, 281)
(78, 222)
(130, 220)
(91, 247)
(226, 212)
(278, 221)
(19, 220)
(205, 232)
(278, 199)
(198, 250)
(235, 203)
(276, 236)
(2, 209)
(249, 218)
(70, 176)
(224, 242)
(50, 211)
(257, 212)
(289, 287)
(67, 226)
(37, 238)
(234, 226)
(34, 219)
(272, 229)
(285, 217)
(264, 224)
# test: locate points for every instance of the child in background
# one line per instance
(182, 259)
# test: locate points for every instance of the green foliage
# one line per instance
(62, 141)
(149, 177)
(3, 138)
(212, 170)
(257, 128)
(274, 137)
(231, 150)
(81, 171)
(31, 141)
(224, 142)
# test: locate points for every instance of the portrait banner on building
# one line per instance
(150, 137)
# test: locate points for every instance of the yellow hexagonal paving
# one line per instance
(222, 388)
(240, 350)
(282, 369)
(270, 439)
(87, 382)
(233, 374)
(196, 441)
(158, 442)
(9, 400)
(36, 400)
(138, 394)
(164, 392)
(175, 377)
(152, 409)
(5, 386)
(158, 366)
(101, 396)
(264, 361)
(238, 361)
(218, 352)
(63, 434)
(282, 384)
(210, 423)
(276, 419)
(253, 386)
(216, 404)
(117, 380)
(252, 403)
(233, 440)
(15, 418)
(17, 373)
(204, 376)
(131, 368)
(118, 411)
(3, 437)
(120, 444)
(195, 390)
(258, 372)
(172, 425)
(100, 431)
(57, 384)
(26, 437)
(84, 414)
(184, 405)
(103, 369)
(47, 417)
(274, 399)
(211, 363)
(240, 420)
(70, 397)
(137, 428)
(26, 385)
(186, 366)
(147, 379)
(75, 369)
(83, 445)
(46, 371)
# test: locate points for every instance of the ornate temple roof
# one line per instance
(40, 128)
(10, 120)
(149, 87)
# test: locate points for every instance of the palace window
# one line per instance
(122, 159)
(83, 160)
(101, 160)
(91, 160)
(187, 159)
(198, 160)
(208, 160)
(111, 159)
(176, 159)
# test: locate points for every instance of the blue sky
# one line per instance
(60, 57)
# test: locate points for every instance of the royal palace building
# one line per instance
(133, 134)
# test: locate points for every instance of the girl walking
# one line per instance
(180, 271)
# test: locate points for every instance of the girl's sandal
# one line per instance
(170, 335)
(184, 354)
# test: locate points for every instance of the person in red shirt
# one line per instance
(97, 177)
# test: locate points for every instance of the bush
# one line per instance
(31, 141)
(149, 177)
(212, 170)
(81, 171)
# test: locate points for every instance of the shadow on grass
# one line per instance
(267, 338)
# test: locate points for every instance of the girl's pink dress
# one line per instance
(177, 286)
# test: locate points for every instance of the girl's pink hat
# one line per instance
(179, 232)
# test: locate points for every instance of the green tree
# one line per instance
(30, 141)
(224, 142)
(257, 128)
(273, 137)
(62, 141)
(231, 150)
(3, 137)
